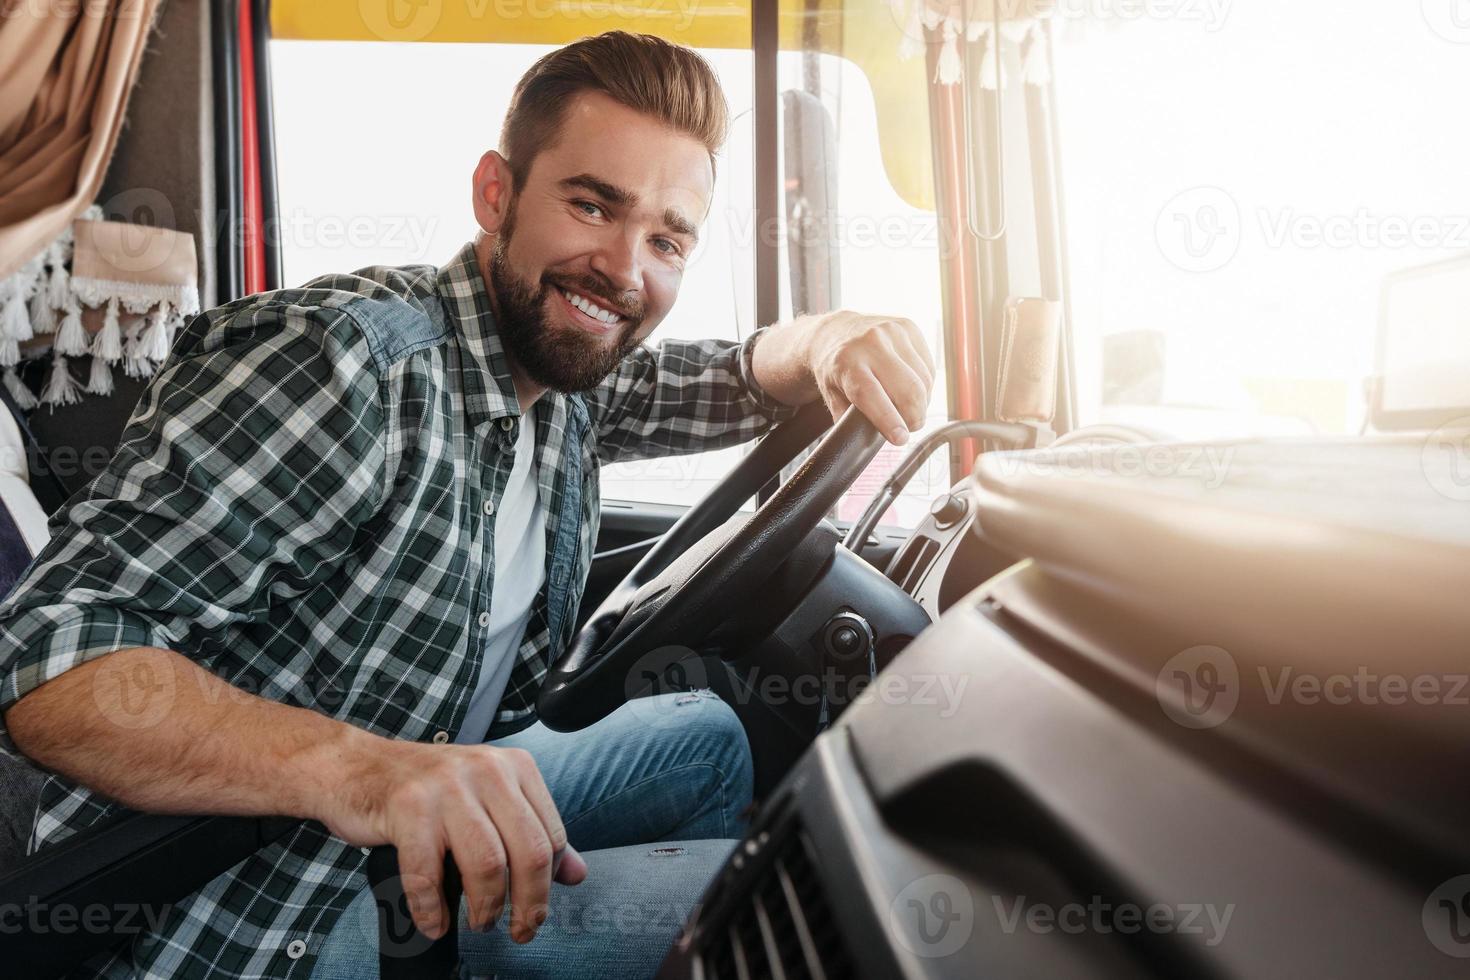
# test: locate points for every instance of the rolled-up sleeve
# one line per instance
(682, 397)
(240, 481)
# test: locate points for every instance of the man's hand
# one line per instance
(880, 364)
(209, 747)
(488, 807)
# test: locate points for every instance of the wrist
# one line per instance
(782, 359)
(341, 779)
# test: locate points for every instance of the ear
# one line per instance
(493, 189)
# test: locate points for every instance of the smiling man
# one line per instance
(348, 526)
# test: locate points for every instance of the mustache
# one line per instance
(632, 311)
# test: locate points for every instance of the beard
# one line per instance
(561, 358)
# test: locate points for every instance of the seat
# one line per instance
(22, 533)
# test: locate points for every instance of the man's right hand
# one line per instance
(487, 806)
(209, 747)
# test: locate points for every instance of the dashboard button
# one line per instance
(949, 510)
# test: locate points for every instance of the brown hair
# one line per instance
(645, 73)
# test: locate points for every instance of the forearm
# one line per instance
(153, 730)
(682, 397)
(782, 362)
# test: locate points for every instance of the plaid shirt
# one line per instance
(303, 503)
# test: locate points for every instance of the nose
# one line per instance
(618, 262)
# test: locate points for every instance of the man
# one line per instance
(348, 526)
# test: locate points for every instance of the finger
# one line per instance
(534, 788)
(914, 356)
(906, 390)
(421, 870)
(480, 855)
(865, 391)
(529, 851)
(573, 867)
(915, 339)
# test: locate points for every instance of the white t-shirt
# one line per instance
(520, 568)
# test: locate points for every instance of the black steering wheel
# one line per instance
(707, 567)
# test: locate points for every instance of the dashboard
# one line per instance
(1059, 810)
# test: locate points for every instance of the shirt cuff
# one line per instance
(46, 642)
(764, 401)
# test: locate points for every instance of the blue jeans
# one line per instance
(672, 770)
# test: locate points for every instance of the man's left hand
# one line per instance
(880, 364)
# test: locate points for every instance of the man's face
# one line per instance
(588, 256)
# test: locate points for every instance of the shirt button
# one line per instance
(296, 949)
(507, 423)
(484, 619)
(440, 738)
(488, 507)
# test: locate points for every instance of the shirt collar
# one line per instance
(489, 393)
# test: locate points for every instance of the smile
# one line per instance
(588, 313)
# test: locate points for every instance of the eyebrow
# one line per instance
(623, 198)
(679, 224)
(611, 193)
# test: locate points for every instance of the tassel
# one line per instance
(107, 345)
(913, 31)
(43, 317)
(950, 70)
(988, 63)
(25, 399)
(9, 351)
(155, 344)
(72, 338)
(61, 387)
(1035, 69)
(135, 365)
(99, 379)
(14, 321)
(58, 290)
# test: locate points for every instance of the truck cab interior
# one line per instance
(1146, 657)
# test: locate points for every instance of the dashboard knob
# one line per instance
(846, 641)
(847, 635)
(949, 510)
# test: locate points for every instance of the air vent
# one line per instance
(913, 561)
(782, 927)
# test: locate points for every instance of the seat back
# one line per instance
(22, 533)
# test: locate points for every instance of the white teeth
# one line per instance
(590, 308)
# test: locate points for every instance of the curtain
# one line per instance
(66, 67)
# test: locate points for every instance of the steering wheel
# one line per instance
(707, 567)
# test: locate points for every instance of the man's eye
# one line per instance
(588, 208)
(666, 246)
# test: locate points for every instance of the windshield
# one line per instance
(1240, 179)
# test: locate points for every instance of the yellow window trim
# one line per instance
(866, 32)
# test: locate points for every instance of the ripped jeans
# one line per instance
(672, 770)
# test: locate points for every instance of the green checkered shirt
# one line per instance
(303, 503)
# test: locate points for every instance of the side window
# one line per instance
(401, 196)
(398, 194)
